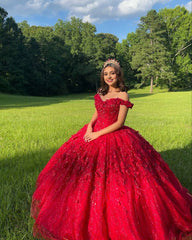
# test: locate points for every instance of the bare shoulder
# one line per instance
(124, 96)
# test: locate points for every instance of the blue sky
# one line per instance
(118, 17)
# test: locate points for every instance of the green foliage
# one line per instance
(105, 48)
(179, 29)
(124, 56)
(11, 52)
(151, 57)
(68, 57)
(161, 48)
(80, 37)
(35, 127)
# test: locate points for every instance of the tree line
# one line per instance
(68, 57)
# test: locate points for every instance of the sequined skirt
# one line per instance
(116, 187)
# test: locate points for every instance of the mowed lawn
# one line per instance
(33, 128)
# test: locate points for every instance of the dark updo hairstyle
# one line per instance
(103, 90)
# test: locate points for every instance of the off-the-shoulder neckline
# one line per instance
(110, 98)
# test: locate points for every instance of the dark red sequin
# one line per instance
(116, 187)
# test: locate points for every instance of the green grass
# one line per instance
(33, 128)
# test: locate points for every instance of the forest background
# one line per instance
(67, 57)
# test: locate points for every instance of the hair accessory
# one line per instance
(113, 61)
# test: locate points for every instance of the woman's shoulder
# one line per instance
(124, 100)
(124, 96)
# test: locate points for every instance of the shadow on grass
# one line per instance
(179, 161)
(14, 101)
(19, 174)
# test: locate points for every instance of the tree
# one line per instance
(179, 29)
(4, 84)
(79, 37)
(47, 61)
(150, 55)
(105, 47)
(11, 55)
(124, 56)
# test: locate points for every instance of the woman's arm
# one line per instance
(111, 128)
(90, 124)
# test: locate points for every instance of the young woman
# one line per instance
(107, 182)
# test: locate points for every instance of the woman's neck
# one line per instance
(112, 90)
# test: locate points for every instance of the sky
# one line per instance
(118, 17)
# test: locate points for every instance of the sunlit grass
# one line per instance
(33, 128)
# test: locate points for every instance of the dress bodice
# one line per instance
(108, 111)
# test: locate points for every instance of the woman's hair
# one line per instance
(120, 82)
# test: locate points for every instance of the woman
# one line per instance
(107, 182)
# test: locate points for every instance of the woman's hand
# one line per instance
(89, 136)
(89, 130)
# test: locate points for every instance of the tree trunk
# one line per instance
(151, 88)
(170, 85)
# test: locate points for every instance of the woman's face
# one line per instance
(110, 76)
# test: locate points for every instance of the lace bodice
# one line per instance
(108, 111)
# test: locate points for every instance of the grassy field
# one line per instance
(33, 128)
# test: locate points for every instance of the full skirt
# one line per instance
(116, 187)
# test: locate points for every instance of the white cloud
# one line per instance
(88, 18)
(37, 4)
(188, 6)
(25, 8)
(128, 7)
(88, 10)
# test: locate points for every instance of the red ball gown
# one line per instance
(116, 187)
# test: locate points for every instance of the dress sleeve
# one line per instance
(126, 103)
